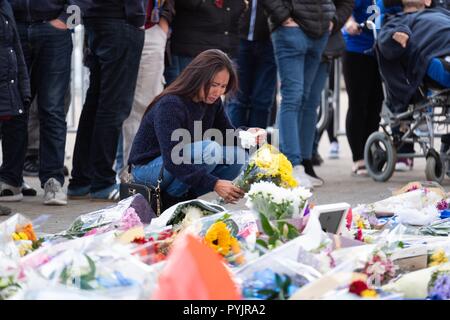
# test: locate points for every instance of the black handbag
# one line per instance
(150, 193)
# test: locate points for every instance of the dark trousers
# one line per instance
(48, 52)
(257, 73)
(14, 145)
(115, 49)
(365, 98)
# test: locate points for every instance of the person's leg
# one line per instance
(290, 46)
(117, 47)
(14, 144)
(355, 76)
(206, 152)
(31, 165)
(150, 83)
(80, 183)
(308, 126)
(52, 64)
(238, 107)
(265, 81)
(174, 69)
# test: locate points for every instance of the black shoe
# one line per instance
(309, 169)
(31, 167)
(316, 160)
(28, 191)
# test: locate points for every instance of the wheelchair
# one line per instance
(427, 118)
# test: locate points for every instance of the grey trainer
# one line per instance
(53, 193)
(8, 193)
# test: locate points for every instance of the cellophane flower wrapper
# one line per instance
(114, 217)
(95, 265)
(15, 247)
(267, 164)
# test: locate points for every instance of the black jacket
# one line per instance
(313, 16)
(336, 44)
(403, 69)
(261, 31)
(133, 11)
(200, 25)
(15, 92)
(40, 10)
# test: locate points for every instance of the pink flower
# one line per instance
(129, 220)
(349, 219)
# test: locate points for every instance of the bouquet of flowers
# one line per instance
(20, 230)
(267, 164)
(122, 216)
(277, 207)
(379, 267)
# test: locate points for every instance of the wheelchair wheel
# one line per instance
(380, 156)
(434, 168)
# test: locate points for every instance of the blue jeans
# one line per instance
(178, 64)
(48, 52)
(308, 145)
(298, 57)
(206, 150)
(115, 52)
(257, 74)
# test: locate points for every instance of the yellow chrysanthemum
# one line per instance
(438, 257)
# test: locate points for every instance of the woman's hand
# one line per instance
(228, 191)
(261, 135)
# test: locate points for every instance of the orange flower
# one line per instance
(28, 230)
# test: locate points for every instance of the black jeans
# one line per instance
(365, 98)
(14, 145)
(115, 49)
(48, 52)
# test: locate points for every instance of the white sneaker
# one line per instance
(53, 194)
(301, 177)
(9, 193)
(334, 151)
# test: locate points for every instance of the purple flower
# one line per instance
(441, 287)
(442, 205)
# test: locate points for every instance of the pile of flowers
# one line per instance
(267, 164)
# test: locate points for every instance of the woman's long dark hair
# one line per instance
(199, 74)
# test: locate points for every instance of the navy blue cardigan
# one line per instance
(154, 136)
